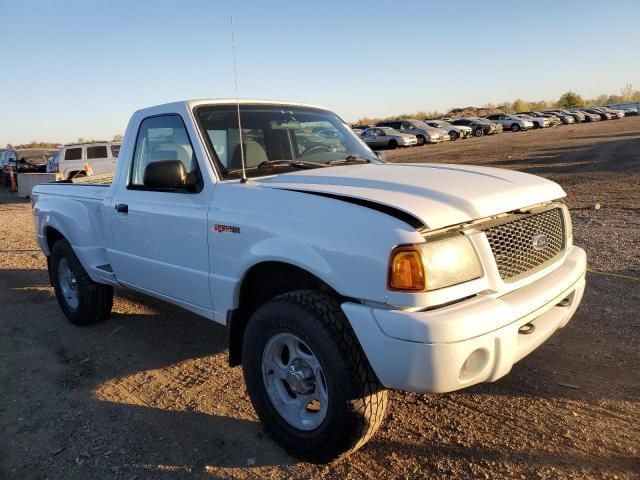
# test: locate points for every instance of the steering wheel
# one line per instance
(316, 149)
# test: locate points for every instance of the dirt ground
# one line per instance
(148, 394)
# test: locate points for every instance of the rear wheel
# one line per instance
(308, 379)
(82, 300)
(393, 144)
(515, 127)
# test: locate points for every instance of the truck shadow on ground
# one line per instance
(151, 417)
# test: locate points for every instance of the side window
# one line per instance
(73, 154)
(115, 150)
(96, 152)
(406, 126)
(162, 138)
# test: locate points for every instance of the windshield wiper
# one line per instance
(349, 159)
(280, 163)
(289, 163)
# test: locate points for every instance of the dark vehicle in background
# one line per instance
(602, 114)
(627, 108)
(578, 116)
(588, 117)
(566, 119)
(614, 113)
(27, 160)
(479, 128)
(498, 126)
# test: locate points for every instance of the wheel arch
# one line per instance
(262, 282)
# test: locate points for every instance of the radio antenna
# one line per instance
(235, 79)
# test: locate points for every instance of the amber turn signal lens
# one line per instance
(406, 270)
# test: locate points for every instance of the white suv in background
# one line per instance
(70, 160)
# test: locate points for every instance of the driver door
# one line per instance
(160, 236)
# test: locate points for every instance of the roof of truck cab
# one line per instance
(232, 101)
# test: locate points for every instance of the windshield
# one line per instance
(419, 124)
(277, 133)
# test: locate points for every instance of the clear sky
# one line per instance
(71, 68)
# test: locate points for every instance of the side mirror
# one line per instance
(381, 156)
(167, 174)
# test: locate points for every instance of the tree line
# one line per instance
(568, 99)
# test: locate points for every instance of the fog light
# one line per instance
(474, 364)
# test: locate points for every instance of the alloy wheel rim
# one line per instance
(295, 382)
(68, 284)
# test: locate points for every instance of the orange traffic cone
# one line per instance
(14, 186)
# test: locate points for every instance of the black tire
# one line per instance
(94, 299)
(515, 127)
(453, 135)
(421, 140)
(478, 132)
(357, 401)
(393, 144)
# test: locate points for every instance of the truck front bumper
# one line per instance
(477, 340)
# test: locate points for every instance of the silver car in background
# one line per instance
(423, 132)
(455, 131)
(387, 137)
(538, 122)
(511, 122)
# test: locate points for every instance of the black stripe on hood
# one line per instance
(401, 215)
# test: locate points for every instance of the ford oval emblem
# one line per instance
(540, 241)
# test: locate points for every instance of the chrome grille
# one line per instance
(512, 243)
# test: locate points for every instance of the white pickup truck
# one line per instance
(337, 275)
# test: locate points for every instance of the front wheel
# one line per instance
(393, 144)
(479, 132)
(515, 127)
(82, 300)
(453, 135)
(308, 379)
(421, 140)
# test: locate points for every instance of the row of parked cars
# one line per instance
(68, 161)
(411, 132)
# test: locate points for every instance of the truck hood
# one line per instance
(438, 195)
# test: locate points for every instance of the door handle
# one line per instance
(122, 208)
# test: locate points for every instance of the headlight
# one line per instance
(433, 265)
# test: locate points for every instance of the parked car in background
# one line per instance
(511, 122)
(498, 126)
(423, 132)
(479, 128)
(588, 117)
(455, 131)
(27, 160)
(578, 116)
(614, 113)
(602, 114)
(387, 137)
(538, 122)
(628, 109)
(552, 118)
(70, 160)
(564, 118)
